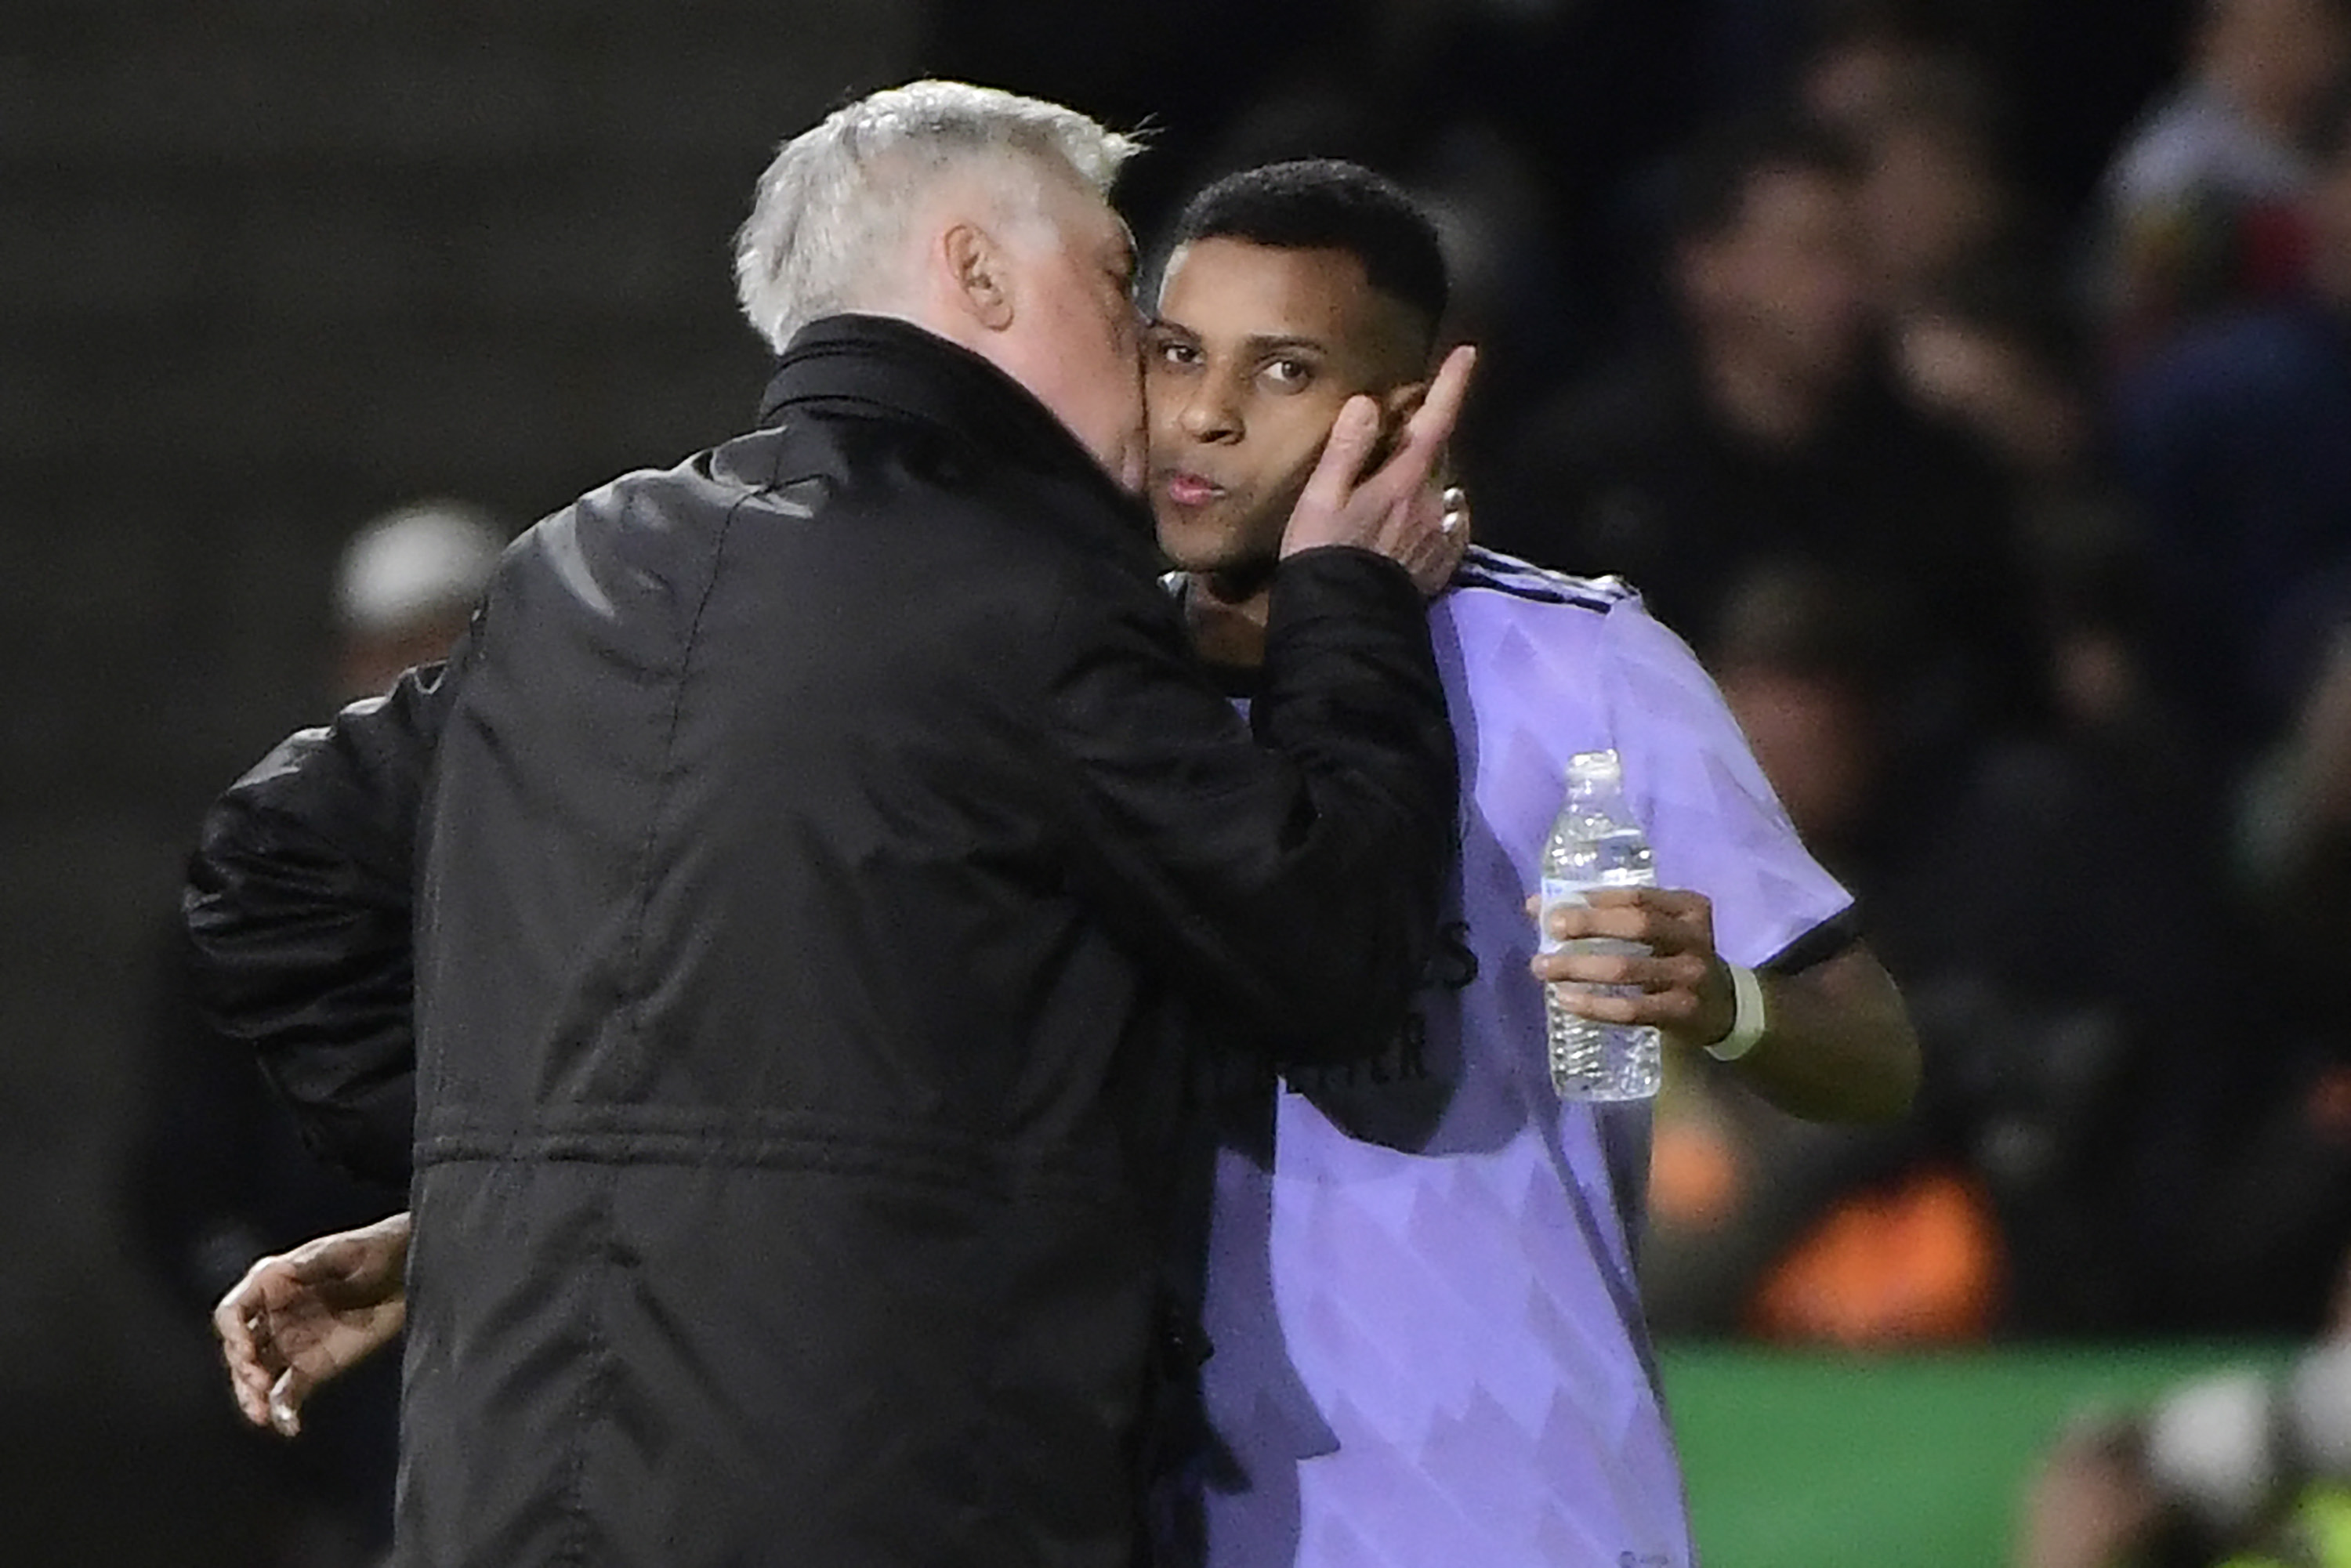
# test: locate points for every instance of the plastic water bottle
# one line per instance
(1596, 843)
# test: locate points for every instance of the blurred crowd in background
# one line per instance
(1970, 384)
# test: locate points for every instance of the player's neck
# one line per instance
(1228, 619)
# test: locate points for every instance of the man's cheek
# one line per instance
(1154, 401)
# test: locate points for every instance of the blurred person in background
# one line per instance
(2246, 450)
(2202, 206)
(2284, 1169)
(1736, 1191)
(2235, 444)
(1983, 341)
(2233, 1470)
(1997, 352)
(1935, 202)
(1862, 59)
(2066, 79)
(1769, 429)
(2198, 1158)
(2038, 908)
(218, 1169)
(1988, 349)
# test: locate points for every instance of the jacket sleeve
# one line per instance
(1288, 870)
(300, 906)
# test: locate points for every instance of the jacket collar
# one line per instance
(900, 367)
(896, 367)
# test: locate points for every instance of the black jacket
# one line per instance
(829, 859)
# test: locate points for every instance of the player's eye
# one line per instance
(1176, 351)
(1289, 374)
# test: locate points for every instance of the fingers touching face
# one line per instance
(1251, 354)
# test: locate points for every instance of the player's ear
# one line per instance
(1399, 404)
(1396, 405)
(978, 275)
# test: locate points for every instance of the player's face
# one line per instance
(1248, 357)
(1789, 271)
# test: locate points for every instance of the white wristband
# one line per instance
(1746, 1022)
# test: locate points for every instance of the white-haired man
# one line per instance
(822, 860)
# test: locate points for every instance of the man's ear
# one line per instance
(978, 275)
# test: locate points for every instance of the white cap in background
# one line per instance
(2211, 1445)
(415, 563)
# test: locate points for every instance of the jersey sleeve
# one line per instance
(1713, 820)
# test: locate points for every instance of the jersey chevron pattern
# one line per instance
(1428, 1348)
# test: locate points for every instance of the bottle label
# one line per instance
(1555, 893)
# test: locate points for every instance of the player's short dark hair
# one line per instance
(1328, 203)
(1712, 180)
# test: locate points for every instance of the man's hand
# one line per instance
(1682, 985)
(304, 1317)
(1399, 509)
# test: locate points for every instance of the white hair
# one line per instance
(830, 219)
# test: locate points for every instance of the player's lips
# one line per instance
(1188, 489)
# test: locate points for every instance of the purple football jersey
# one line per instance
(1429, 1348)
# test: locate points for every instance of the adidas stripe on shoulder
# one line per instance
(1499, 573)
